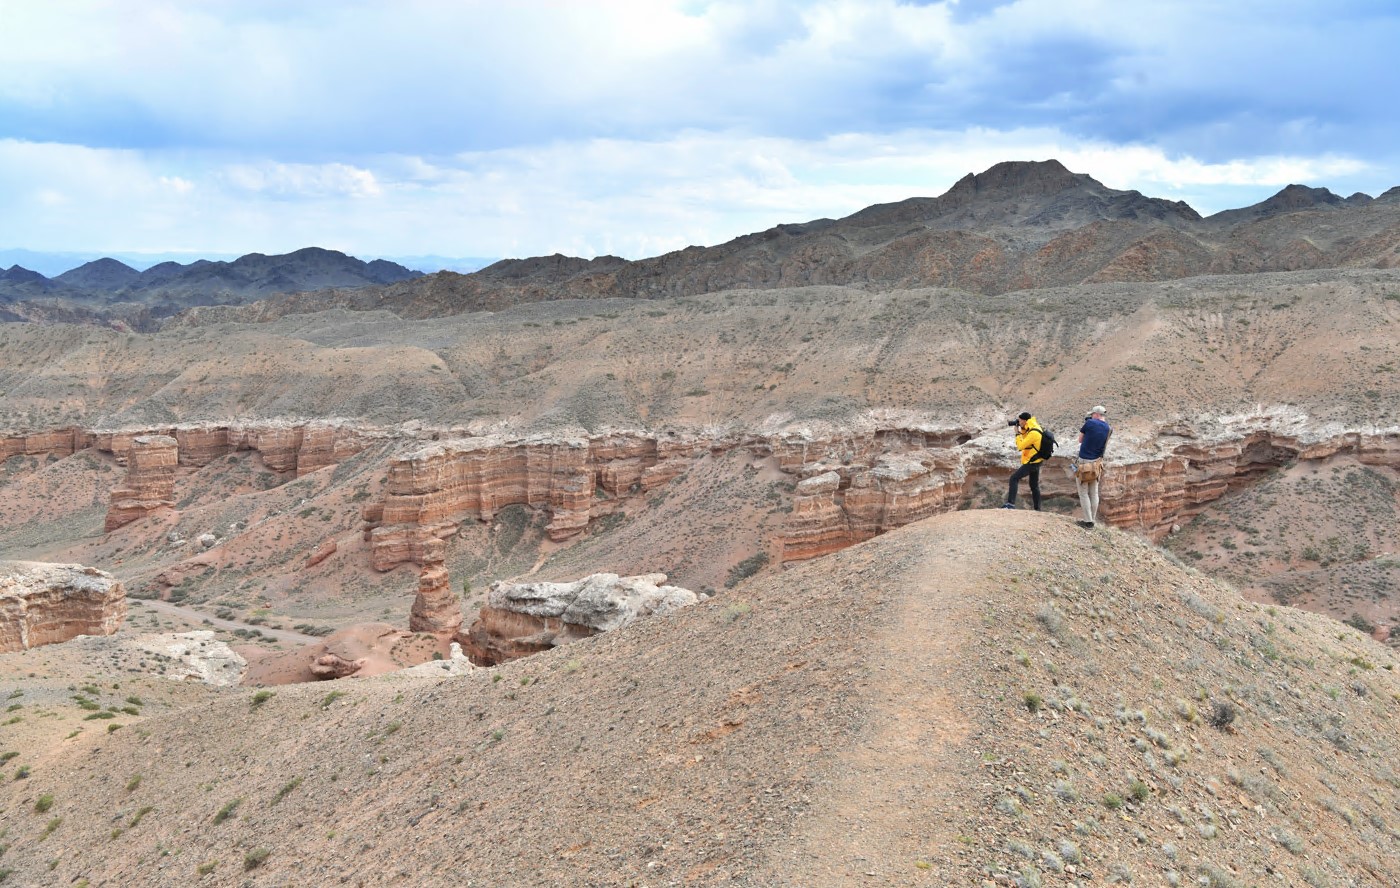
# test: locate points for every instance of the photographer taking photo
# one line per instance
(1028, 441)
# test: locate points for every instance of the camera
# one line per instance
(1012, 422)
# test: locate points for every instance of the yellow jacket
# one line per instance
(1028, 442)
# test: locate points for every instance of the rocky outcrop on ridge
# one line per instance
(51, 603)
(525, 618)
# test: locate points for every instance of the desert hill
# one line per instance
(981, 697)
(109, 289)
(1016, 226)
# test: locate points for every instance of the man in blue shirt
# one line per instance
(1093, 441)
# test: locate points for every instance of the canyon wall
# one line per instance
(845, 497)
(849, 486)
(430, 493)
(50, 603)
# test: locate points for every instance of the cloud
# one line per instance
(311, 81)
(620, 196)
(476, 127)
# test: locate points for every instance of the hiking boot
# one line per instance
(1007, 506)
(1087, 525)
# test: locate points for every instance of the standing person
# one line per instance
(1028, 441)
(1093, 441)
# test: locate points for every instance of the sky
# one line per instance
(513, 128)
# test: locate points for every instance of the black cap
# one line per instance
(1024, 416)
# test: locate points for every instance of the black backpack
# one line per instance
(1047, 446)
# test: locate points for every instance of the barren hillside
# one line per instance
(982, 696)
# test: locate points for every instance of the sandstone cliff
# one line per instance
(49, 603)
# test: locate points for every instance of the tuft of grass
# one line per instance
(1139, 791)
(134, 782)
(254, 859)
(43, 803)
(286, 788)
(139, 816)
(227, 810)
(49, 827)
(1112, 801)
(261, 697)
(330, 698)
(1032, 700)
(207, 867)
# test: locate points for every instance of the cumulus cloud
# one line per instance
(476, 127)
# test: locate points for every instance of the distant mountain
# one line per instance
(96, 287)
(1016, 226)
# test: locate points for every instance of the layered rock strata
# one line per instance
(525, 618)
(846, 497)
(435, 607)
(152, 457)
(50, 603)
(150, 480)
(430, 493)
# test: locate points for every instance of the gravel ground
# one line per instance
(985, 697)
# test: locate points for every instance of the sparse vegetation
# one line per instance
(227, 810)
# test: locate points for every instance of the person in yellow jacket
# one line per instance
(1028, 442)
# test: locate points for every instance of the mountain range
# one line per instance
(107, 286)
(1016, 226)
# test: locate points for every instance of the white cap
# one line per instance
(1100, 409)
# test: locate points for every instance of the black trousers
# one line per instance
(1031, 471)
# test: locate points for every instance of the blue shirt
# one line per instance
(1096, 433)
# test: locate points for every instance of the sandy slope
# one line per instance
(859, 720)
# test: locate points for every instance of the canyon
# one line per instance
(711, 542)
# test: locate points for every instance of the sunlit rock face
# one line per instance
(51, 603)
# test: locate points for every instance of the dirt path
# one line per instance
(189, 613)
(900, 787)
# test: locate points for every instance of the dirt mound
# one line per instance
(985, 695)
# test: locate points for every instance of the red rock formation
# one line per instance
(323, 551)
(59, 443)
(51, 603)
(331, 666)
(201, 445)
(278, 445)
(150, 480)
(845, 501)
(499, 636)
(435, 607)
(429, 493)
